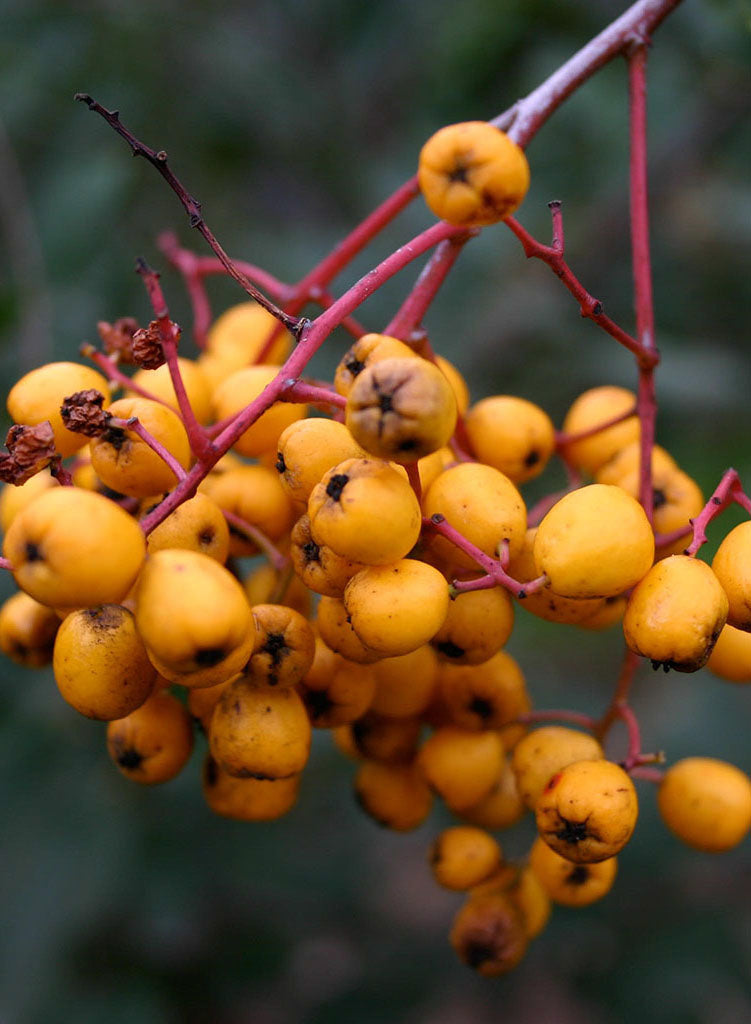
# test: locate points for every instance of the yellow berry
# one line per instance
(38, 395)
(488, 933)
(14, 497)
(515, 436)
(284, 647)
(247, 799)
(463, 856)
(71, 548)
(394, 795)
(198, 525)
(473, 174)
(396, 608)
(194, 618)
(309, 448)
(126, 463)
(335, 691)
(731, 655)
(153, 743)
(404, 685)
(502, 807)
(587, 811)
(675, 614)
(100, 663)
(482, 504)
(255, 495)
(478, 624)
(592, 410)
(259, 731)
(731, 567)
(367, 350)
(317, 565)
(462, 766)
(706, 803)
(594, 542)
(365, 511)
(486, 696)
(401, 409)
(569, 884)
(27, 630)
(545, 751)
(239, 390)
(237, 337)
(197, 387)
(332, 620)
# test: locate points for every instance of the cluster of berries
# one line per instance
(395, 538)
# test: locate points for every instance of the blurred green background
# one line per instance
(290, 121)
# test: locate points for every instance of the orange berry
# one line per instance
(473, 174)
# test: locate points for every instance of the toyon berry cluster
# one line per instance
(396, 546)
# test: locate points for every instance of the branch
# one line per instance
(636, 24)
(158, 159)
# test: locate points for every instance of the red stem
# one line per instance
(495, 570)
(169, 334)
(589, 307)
(625, 713)
(356, 240)
(116, 375)
(302, 391)
(728, 490)
(413, 309)
(642, 269)
(529, 114)
(622, 690)
(158, 160)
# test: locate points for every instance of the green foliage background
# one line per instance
(290, 121)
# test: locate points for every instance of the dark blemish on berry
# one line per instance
(578, 876)
(450, 649)
(33, 553)
(458, 175)
(206, 535)
(210, 656)
(552, 782)
(355, 366)
(276, 647)
(478, 953)
(408, 444)
(211, 772)
(481, 707)
(281, 466)
(105, 617)
(572, 832)
(129, 759)
(531, 459)
(658, 497)
(386, 403)
(336, 485)
(311, 552)
(115, 436)
(318, 703)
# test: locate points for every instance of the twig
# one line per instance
(158, 159)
